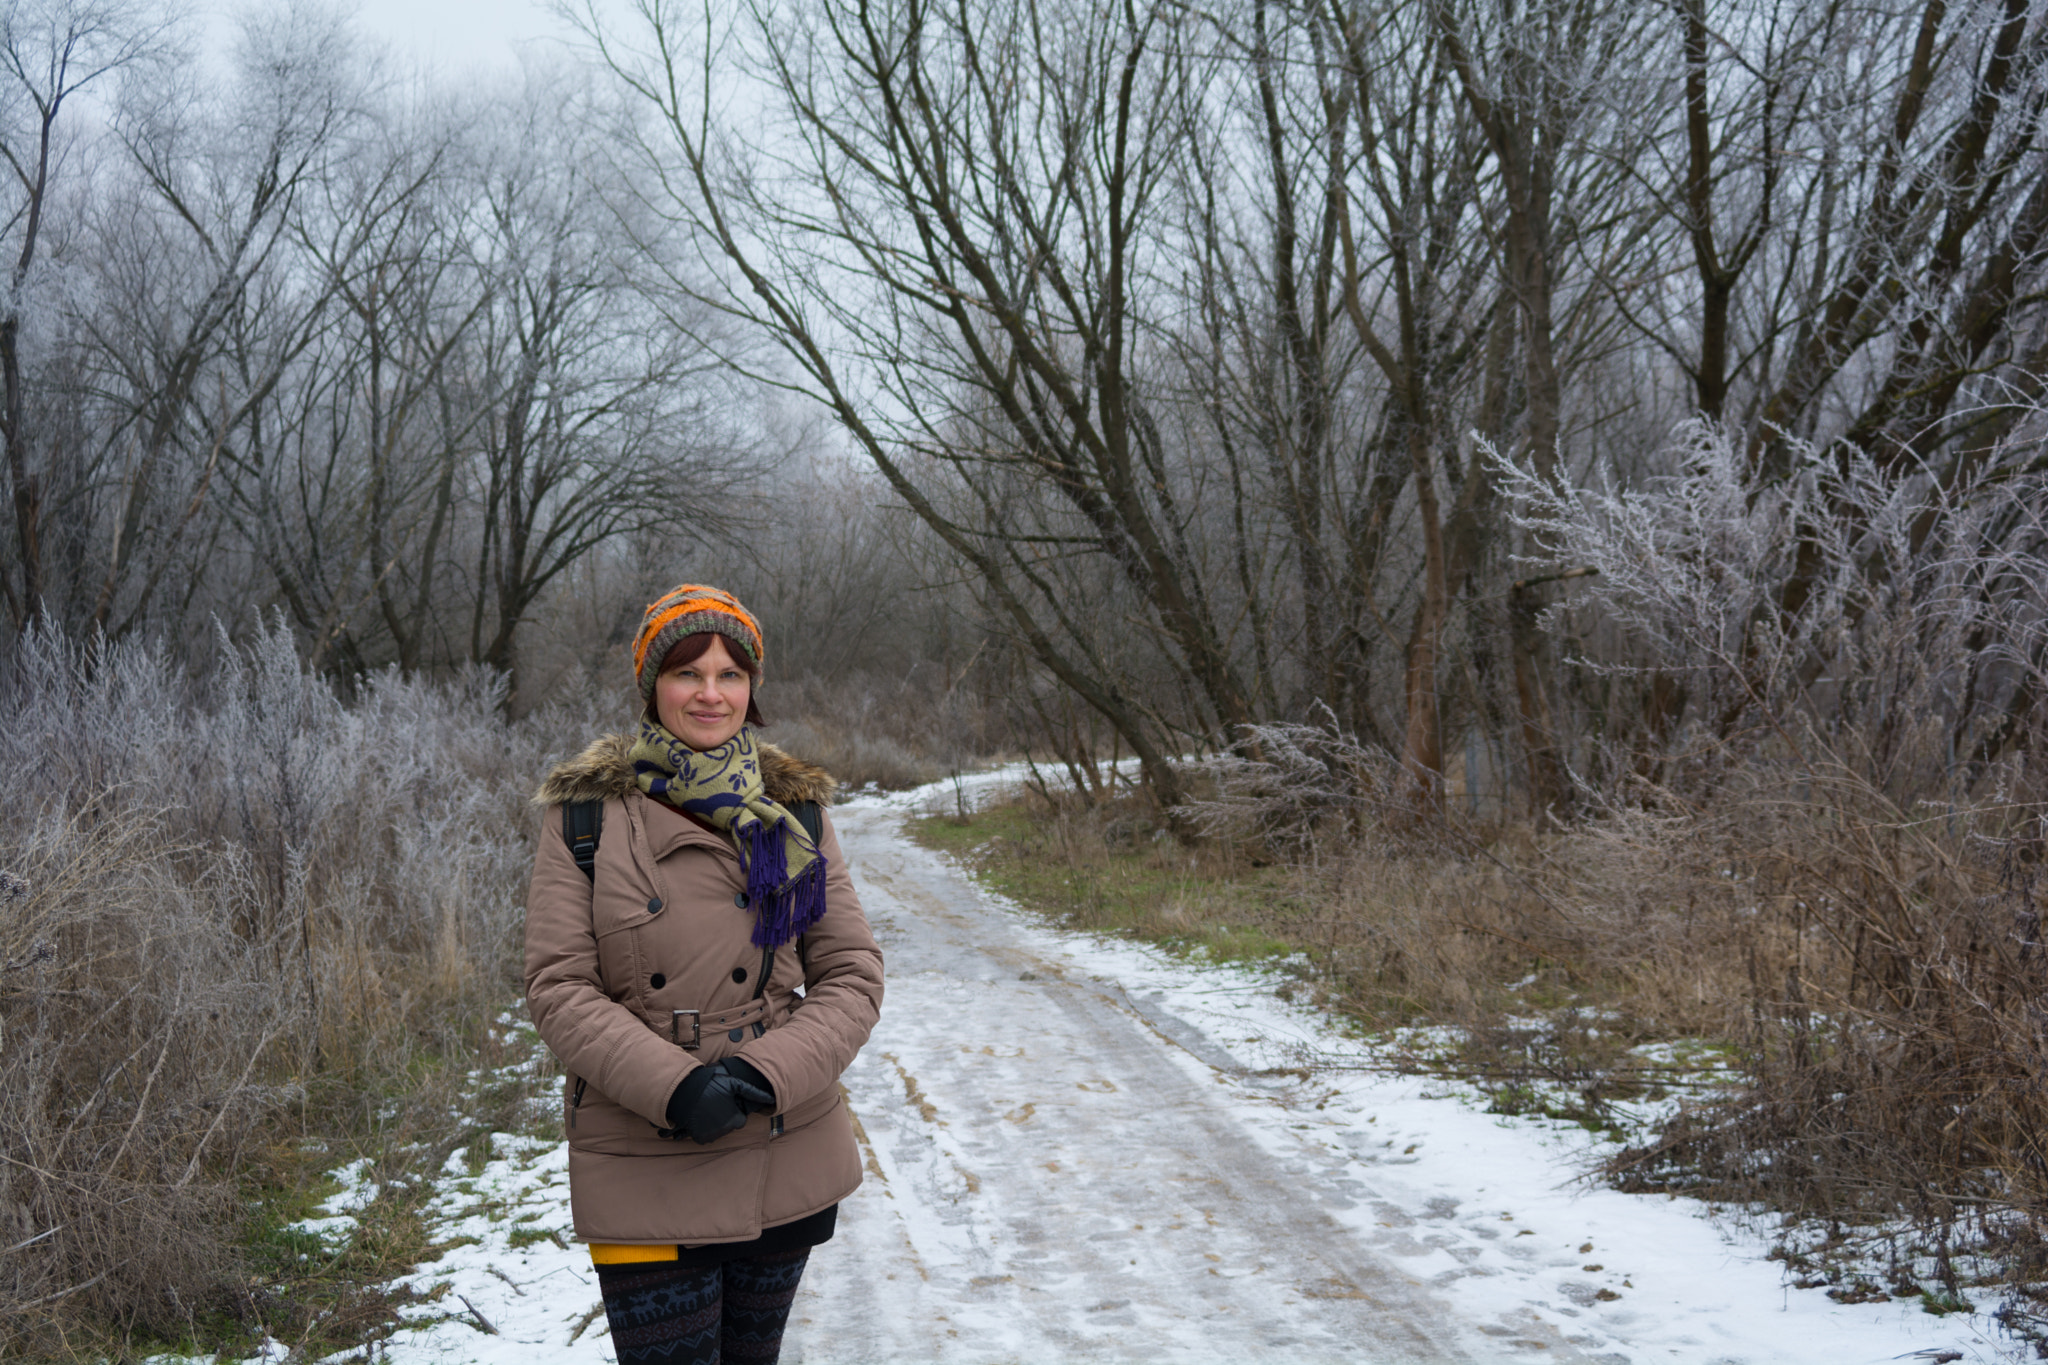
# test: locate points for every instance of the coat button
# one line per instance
(657, 981)
(654, 905)
(736, 1035)
(739, 973)
(740, 899)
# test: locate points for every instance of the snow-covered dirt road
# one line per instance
(1082, 1150)
(1053, 1177)
(1085, 1151)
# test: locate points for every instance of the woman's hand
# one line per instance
(715, 1100)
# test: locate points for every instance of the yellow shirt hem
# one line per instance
(620, 1253)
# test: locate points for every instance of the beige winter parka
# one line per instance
(662, 931)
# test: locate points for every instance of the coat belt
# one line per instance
(686, 1028)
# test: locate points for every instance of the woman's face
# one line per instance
(704, 702)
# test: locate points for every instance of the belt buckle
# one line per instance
(675, 1029)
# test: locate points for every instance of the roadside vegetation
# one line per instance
(1835, 999)
(1426, 946)
(255, 929)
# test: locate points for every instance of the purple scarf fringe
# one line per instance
(783, 909)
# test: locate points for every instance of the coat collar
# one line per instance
(603, 771)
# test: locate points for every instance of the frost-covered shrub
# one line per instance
(1297, 789)
(227, 900)
(1861, 656)
(1849, 610)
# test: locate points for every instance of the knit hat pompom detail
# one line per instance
(685, 610)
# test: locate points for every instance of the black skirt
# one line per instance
(804, 1232)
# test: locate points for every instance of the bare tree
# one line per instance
(1531, 79)
(386, 235)
(960, 284)
(595, 416)
(193, 255)
(1421, 205)
(49, 53)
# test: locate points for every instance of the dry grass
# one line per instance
(1098, 867)
(1890, 1017)
(237, 913)
(1876, 965)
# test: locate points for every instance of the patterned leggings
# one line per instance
(662, 1313)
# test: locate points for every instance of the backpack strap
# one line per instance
(582, 823)
(811, 818)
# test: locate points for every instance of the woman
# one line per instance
(709, 1146)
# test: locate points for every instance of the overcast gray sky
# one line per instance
(462, 33)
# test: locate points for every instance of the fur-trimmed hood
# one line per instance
(604, 771)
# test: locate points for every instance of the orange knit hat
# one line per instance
(685, 610)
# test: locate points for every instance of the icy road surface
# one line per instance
(1081, 1150)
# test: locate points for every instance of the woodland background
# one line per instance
(1562, 480)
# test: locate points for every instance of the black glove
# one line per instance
(714, 1100)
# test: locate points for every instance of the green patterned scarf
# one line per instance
(785, 871)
